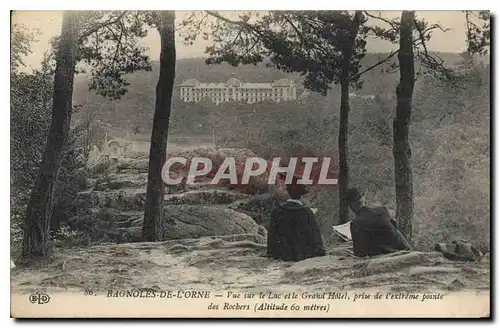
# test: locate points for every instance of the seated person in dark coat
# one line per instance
(373, 231)
(293, 233)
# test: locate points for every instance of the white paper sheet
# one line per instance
(343, 230)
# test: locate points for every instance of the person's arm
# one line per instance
(403, 243)
(393, 221)
(398, 241)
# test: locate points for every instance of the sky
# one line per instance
(49, 24)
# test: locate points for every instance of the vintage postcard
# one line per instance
(257, 164)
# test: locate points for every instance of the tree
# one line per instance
(153, 213)
(30, 106)
(409, 50)
(345, 79)
(401, 126)
(106, 42)
(324, 46)
(36, 227)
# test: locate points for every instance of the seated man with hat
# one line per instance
(293, 233)
(373, 231)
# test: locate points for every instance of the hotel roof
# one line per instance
(233, 82)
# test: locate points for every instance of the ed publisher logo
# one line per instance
(39, 298)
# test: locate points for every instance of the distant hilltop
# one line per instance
(137, 105)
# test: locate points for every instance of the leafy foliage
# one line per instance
(310, 43)
(31, 104)
(478, 26)
(110, 48)
(21, 38)
(72, 177)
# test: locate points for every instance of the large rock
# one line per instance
(134, 198)
(114, 181)
(139, 165)
(189, 221)
(123, 199)
(133, 165)
(180, 222)
(258, 207)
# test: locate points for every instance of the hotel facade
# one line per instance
(234, 90)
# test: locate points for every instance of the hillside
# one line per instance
(136, 107)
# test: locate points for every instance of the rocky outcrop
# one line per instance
(187, 222)
(258, 207)
(123, 199)
(112, 209)
(133, 199)
(204, 196)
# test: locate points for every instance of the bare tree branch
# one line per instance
(386, 59)
(435, 26)
(250, 49)
(427, 59)
(299, 34)
(102, 25)
(392, 23)
(239, 23)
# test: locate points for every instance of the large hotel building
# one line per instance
(234, 90)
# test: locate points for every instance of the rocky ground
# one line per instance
(237, 262)
(214, 239)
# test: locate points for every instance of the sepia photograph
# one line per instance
(250, 164)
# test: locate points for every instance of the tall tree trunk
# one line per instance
(153, 214)
(343, 179)
(401, 126)
(39, 211)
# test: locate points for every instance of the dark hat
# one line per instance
(353, 195)
(296, 190)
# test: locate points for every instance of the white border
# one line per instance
(187, 5)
